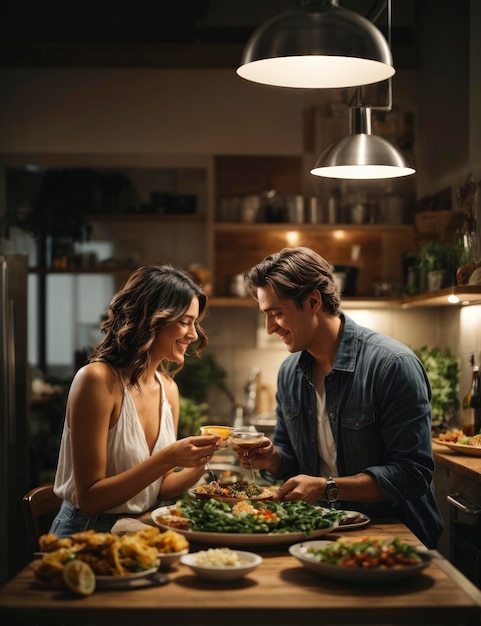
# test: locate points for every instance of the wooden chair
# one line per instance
(40, 505)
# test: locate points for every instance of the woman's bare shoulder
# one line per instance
(97, 373)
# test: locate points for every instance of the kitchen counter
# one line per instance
(461, 464)
(280, 591)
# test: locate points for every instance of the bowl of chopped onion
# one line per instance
(221, 564)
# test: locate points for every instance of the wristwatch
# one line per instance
(332, 492)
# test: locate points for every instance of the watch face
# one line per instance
(332, 492)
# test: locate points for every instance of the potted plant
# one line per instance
(439, 261)
(442, 369)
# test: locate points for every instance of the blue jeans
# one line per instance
(70, 520)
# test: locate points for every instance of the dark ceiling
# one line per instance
(156, 33)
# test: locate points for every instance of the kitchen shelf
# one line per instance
(80, 270)
(233, 227)
(146, 217)
(467, 294)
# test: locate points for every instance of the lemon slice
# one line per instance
(79, 577)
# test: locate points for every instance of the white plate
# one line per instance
(347, 524)
(238, 539)
(223, 573)
(130, 580)
(462, 448)
(349, 574)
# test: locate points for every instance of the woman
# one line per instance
(119, 444)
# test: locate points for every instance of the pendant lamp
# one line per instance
(362, 155)
(320, 45)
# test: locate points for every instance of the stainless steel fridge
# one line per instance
(14, 423)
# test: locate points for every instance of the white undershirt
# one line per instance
(325, 439)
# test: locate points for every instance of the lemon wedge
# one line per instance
(79, 577)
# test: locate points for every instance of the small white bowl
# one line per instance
(169, 559)
(223, 573)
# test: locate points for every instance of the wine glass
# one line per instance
(223, 432)
(246, 440)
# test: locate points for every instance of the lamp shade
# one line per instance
(321, 45)
(362, 155)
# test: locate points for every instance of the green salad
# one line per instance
(256, 517)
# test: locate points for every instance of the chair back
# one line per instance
(40, 505)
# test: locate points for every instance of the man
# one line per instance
(353, 421)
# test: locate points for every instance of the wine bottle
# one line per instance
(469, 425)
(476, 404)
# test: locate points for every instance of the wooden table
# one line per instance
(280, 592)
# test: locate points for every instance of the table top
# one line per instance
(280, 591)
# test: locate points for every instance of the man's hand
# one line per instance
(302, 487)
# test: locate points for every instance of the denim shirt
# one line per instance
(378, 404)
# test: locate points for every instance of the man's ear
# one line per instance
(314, 300)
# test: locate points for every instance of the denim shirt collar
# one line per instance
(346, 355)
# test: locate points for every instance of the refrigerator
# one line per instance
(14, 422)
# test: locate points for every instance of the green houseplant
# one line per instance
(442, 369)
(442, 258)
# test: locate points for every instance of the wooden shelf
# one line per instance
(80, 270)
(467, 294)
(146, 217)
(232, 227)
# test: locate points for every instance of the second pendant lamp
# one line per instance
(362, 155)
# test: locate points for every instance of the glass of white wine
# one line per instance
(245, 440)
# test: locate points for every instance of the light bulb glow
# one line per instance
(362, 172)
(315, 71)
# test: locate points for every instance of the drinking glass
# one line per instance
(246, 440)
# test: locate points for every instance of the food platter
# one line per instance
(462, 448)
(205, 496)
(131, 581)
(355, 574)
(202, 492)
(238, 539)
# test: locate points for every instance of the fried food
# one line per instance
(106, 554)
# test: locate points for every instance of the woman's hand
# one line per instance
(195, 451)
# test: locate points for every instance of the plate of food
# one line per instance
(470, 448)
(233, 492)
(364, 560)
(129, 560)
(221, 564)
(353, 519)
(246, 523)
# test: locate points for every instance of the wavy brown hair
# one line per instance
(293, 273)
(153, 297)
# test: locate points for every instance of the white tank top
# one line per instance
(126, 447)
(325, 439)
